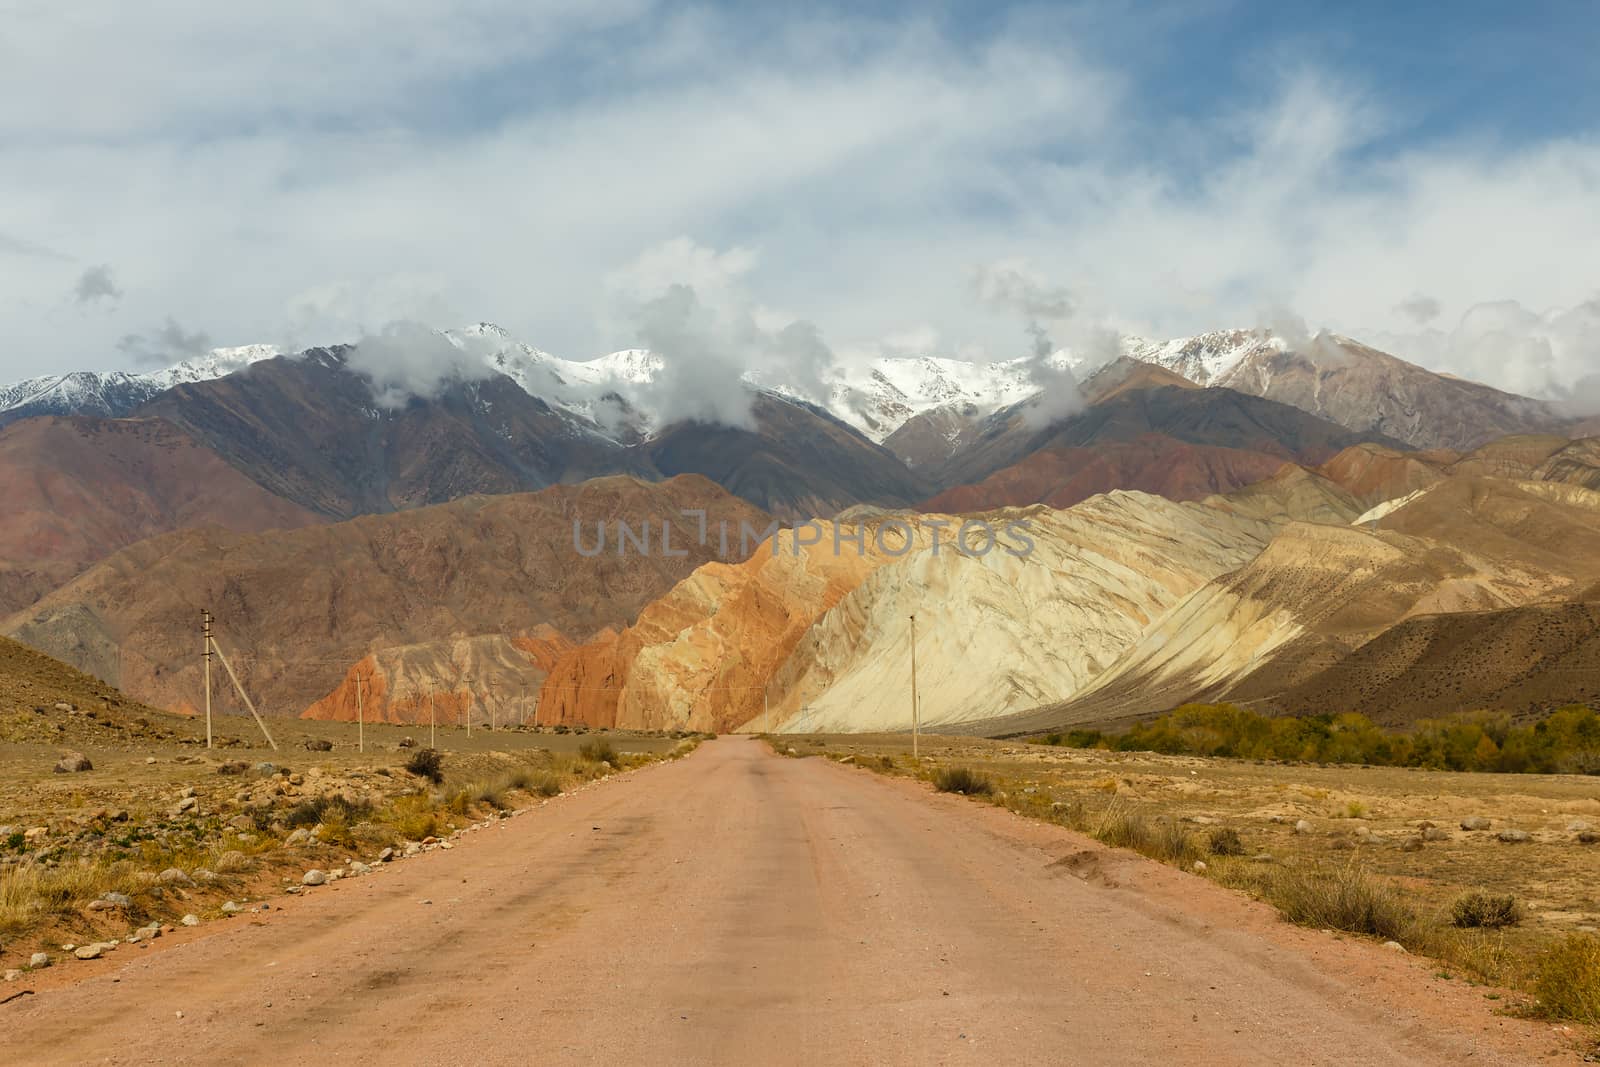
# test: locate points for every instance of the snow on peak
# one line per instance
(1205, 358)
(116, 393)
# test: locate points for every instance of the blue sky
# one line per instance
(177, 174)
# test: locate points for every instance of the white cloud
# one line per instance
(408, 359)
(318, 171)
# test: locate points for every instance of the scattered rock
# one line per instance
(231, 908)
(191, 920)
(1303, 827)
(359, 868)
(73, 763)
(386, 855)
(318, 744)
(1589, 837)
(1475, 822)
(1435, 833)
(184, 806)
(13, 975)
(234, 766)
(1394, 946)
(88, 952)
(300, 837)
(1578, 826)
(406, 742)
(39, 959)
(1199, 867)
(1514, 837)
(314, 877)
(174, 876)
(1411, 844)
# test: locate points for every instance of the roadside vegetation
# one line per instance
(1564, 742)
(105, 874)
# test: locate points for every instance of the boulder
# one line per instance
(73, 763)
(1514, 837)
(1475, 822)
(314, 877)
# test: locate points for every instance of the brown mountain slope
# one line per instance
(1373, 473)
(1151, 463)
(1516, 456)
(1211, 417)
(1525, 660)
(796, 463)
(1576, 464)
(929, 438)
(32, 684)
(1544, 525)
(78, 488)
(1364, 389)
(296, 609)
(1293, 494)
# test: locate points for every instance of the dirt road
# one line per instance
(736, 907)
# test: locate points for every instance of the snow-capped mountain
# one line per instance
(115, 393)
(1352, 384)
(1207, 358)
(1328, 375)
(876, 395)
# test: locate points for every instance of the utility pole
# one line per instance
(916, 715)
(766, 712)
(361, 719)
(494, 708)
(524, 703)
(205, 629)
(433, 734)
(469, 707)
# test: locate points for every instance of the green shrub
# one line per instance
(1225, 841)
(963, 780)
(427, 763)
(1489, 911)
(1564, 742)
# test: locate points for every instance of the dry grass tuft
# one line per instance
(963, 780)
(1567, 979)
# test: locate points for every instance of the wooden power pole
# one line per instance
(433, 728)
(916, 715)
(361, 719)
(205, 630)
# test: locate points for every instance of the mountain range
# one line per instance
(1228, 516)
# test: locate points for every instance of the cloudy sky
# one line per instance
(178, 174)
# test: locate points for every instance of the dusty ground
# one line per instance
(126, 809)
(736, 907)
